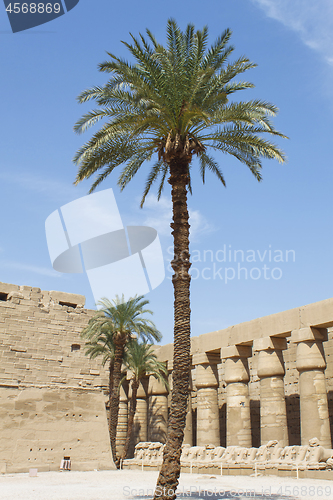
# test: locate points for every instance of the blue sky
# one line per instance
(45, 68)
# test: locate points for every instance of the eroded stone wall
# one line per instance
(52, 396)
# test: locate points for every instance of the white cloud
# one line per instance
(49, 187)
(158, 214)
(44, 271)
(312, 20)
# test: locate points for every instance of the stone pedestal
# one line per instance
(311, 364)
(208, 422)
(122, 422)
(238, 402)
(158, 411)
(271, 371)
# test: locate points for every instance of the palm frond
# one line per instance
(178, 90)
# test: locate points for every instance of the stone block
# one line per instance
(269, 343)
(206, 358)
(236, 351)
(318, 314)
(210, 342)
(70, 298)
(307, 334)
(8, 287)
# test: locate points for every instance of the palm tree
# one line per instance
(110, 330)
(172, 104)
(140, 361)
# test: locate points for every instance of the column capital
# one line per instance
(236, 351)
(308, 334)
(270, 363)
(270, 344)
(155, 387)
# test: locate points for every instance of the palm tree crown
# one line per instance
(174, 103)
(141, 361)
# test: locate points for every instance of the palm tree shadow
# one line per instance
(134, 439)
(157, 423)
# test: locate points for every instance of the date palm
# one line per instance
(172, 106)
(114, 325)
(140, 361)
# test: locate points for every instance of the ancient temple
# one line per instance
(267, 379)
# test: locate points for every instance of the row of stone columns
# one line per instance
(310, 363)
(151, 417)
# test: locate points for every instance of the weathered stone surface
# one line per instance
(37, 335)
(36, 433)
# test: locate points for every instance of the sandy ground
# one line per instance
(120, 485)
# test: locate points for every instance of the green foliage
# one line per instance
(141, 361)
(115, 317)
(173, 103)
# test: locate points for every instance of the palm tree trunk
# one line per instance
(168, 478)
(132, 410)
(111, 366)
(114, 403)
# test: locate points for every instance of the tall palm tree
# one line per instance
(110, 330)
(140, 361)
(172, 104)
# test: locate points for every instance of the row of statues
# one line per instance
(271, 455)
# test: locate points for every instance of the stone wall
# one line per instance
(52, 397)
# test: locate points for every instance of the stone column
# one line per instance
(208, 421)
(237, 376)
(158, 411)
(311, 364)
(122, 421)
(141, 415)
(271, 371)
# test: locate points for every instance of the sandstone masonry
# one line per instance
(52, 401)
(270, 378)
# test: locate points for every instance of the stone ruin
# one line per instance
(267, 379)
(267, 459)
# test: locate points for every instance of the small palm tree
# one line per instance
(141, 361)
(172, 106)
(117, 322)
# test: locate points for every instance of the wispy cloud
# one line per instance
(312, 20)
(158, 214)
(44, 271)
(40, 185)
